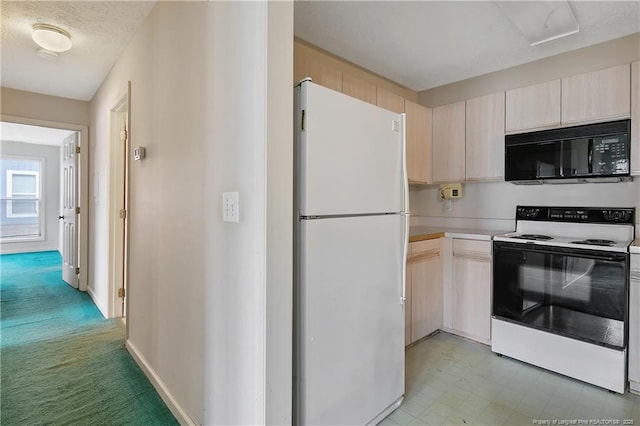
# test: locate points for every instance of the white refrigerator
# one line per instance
(351, 209)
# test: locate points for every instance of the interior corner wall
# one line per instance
(236, 312)
(51, 195)
(166, 64)
(279, 243)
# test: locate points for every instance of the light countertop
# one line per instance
(633, 248)
(420, 233)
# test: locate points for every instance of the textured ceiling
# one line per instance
(425, 44)
(420, 44)
(100, 31)
(32, 134)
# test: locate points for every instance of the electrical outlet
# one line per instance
(231, 207)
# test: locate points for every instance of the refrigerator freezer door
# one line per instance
(350, 155)
(350, 342)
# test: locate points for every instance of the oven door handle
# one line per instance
(617, 257)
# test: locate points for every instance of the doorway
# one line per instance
(118, 204)
(37, 195)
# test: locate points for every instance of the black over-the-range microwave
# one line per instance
(588, 153)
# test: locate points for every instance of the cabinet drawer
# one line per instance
(422, 246)
(472, 248)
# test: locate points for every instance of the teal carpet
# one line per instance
(61, 362)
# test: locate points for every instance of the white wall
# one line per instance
(18, 103)
(200, 320)
(166, 65)
(51, 195)
(249, 299)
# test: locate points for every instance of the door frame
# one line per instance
(119, 199)
(83, 186)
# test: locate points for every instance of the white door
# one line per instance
(350, 319)
(69, 215)
(350, 155)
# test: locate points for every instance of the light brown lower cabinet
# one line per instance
(423, 308)
(471, 289)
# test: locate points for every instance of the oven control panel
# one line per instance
(617, 215)
(527, 212)
(577, 214)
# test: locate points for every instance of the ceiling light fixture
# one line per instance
(540, 21)
(51, 39)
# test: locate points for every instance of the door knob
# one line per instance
(60, 217)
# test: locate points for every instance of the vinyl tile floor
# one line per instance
(454, 381)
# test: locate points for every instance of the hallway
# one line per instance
(62, 362)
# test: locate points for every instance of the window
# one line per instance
(21, 212)
(23, 193)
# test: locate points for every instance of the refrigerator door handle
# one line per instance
(405, 176)
(405, 249)
(405, 214)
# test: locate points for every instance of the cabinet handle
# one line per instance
(474, 256)
(422, 256)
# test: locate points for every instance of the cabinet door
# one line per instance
(484, 146)
(358, 88)
(407, 307)
(597, 96)
(635, 118)
(471, 298)
(426, 296)
(388, 100)
(418, 142)
(533, 107)
(425, 269)
(449, 143)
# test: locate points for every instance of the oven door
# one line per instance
(582, 294)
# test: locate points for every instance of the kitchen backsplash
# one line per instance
(492, 205)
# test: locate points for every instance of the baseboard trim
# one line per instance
(175, 408)
(97, 302)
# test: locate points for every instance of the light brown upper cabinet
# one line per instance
(597, 96)
(319, 72)
(449, 143)
(358, 88)
(418, 138)
(533, 107)
(635, 118)
(485, 138)
(389, 100)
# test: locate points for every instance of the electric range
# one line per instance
(560, 291)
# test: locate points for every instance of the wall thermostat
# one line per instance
(138, 153)
(451, 190)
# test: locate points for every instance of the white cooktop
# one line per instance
(566, 234)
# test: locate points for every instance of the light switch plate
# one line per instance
(231, 207)
(139, 153)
